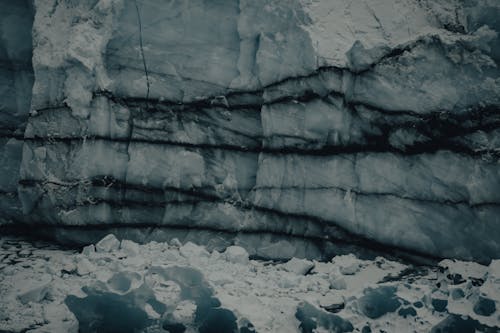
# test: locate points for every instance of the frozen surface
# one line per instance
(212, 136)
(186, 288)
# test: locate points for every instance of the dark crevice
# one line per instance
(142, 51)
(156, 106)
(19, 137)
(203, 197)
(49, 108)
(8, 193)
(393, 53)
(140, 136)
(208, 193)
(327, 150)
(382, 194)
(438, 127)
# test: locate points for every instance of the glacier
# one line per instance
(290, 128)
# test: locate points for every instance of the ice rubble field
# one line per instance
(115, 286)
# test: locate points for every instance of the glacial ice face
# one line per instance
(330, 120)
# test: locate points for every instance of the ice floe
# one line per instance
(123, 286)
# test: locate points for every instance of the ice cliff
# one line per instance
(260, 123)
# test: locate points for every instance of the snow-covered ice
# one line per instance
(157, 287)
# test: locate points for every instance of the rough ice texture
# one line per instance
(340, 120)
(162, 285)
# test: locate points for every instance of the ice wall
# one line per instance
(339, 120)
(16, 81)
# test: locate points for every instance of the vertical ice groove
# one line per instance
(142, 52)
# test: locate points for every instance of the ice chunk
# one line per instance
(33, 289)
(129, 247)
(464, 268)
(298, 266)
(350, 269)
(289, 281)
(108, 244)
(192, 251)
(332, 302)
(236, 254)
(348, 264)
(88, 250)
(185, 312)
(175, 242)
(58, 319)
(84, 266)
(68, 265)
(338, 283)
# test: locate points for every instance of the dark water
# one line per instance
(107, 312)
(459, 324)
(377, 302)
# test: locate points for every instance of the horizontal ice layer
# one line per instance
(340, 121)
(367, 186)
